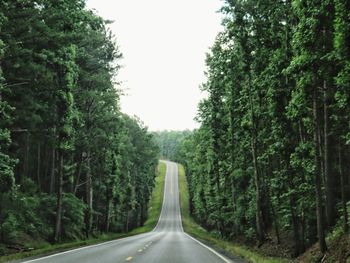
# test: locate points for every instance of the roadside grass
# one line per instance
(47, 249)
(155, 207)
(192, 228)
(156, 202)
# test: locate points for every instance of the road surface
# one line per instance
(167, 243)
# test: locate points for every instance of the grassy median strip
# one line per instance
(155, 207)
(192, 228)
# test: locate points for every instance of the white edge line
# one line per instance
(209, 248)
(81, 248)
(178, 193)
(107, 242)
(200, 243)
(120, 239)
(161, 212)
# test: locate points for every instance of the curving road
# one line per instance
(167, 243)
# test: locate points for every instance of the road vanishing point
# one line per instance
(167, 243)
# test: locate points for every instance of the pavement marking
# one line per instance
(171, 183)
(161, 211)
(128, 259)
(86, 247)
(140, 250)
(178, 193)
(146, 246)
(209, 248)
(164, 193)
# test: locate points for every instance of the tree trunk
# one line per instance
(295, 224)
(343, 194)
(318, 179)
(257, 180)
(127, 222)
(259, 218)
(46, 166)
(321, 153)
(78, 174)
(52, 177)
(143, 214)
(38, 166)
(302, 232)
(330, 204)
(58, 224)
(108, 205)
(276, 226)
(88, 190)
(26, 158)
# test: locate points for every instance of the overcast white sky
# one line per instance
(164, 44)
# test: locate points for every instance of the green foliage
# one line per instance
(7, 179)
(155, 203)
(169, 141)
(83, 167)
(9, 228)
(272, 145)
(6, 163)
(73, 217)
(191, 227)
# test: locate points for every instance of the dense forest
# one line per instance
(270, 161)
(169, 141)
(272, 156)
(71, 164)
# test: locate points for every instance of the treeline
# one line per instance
(71, 164)
(272, 153)
(168, 142)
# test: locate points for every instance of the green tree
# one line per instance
(79, 157)
(6, 163)
(7, 180)
(66, 75)
(276, 112)
(340, 116)
(169, 141)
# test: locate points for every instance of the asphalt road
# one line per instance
(167, 243)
